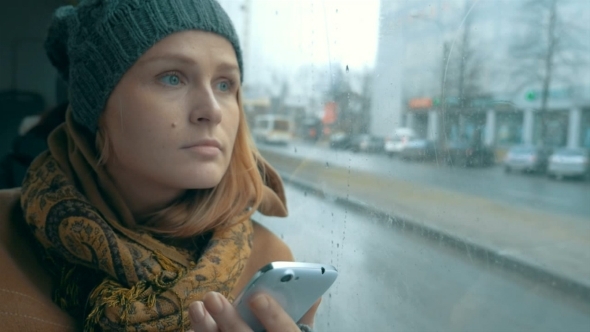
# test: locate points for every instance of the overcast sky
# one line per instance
(287, 34)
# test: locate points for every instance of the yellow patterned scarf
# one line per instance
(114, 277)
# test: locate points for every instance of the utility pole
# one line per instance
(442, 135)
(548, 70)
(465, 56)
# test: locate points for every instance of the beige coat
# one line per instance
(25, 287)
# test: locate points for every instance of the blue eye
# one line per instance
(224, 86)
(170, 79)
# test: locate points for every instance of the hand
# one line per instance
(216, 314)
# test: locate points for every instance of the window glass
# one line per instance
(429, 232)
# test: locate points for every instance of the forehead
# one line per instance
(191, 45)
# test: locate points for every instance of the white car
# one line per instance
(569, 162)
(273, 129)
(397, 141)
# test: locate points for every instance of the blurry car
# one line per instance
(526, 158)
(418, 149)
(570, 163)
(340, 141)
(462, 153)
(366, 143)
(272, 129)
(397, 141)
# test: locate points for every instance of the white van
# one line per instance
(272, 129)
(397, 141)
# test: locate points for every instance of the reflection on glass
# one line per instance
(457, 92)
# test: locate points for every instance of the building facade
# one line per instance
(448, 68)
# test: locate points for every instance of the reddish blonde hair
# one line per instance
(237, 196)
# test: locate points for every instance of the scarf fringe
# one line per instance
(171, 271)
(111, 294)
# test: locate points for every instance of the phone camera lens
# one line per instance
(286, 278)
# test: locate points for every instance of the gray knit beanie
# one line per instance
(93, 44)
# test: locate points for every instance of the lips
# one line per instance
(204, 143)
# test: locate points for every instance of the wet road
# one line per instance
(525, 190)
(391, 280)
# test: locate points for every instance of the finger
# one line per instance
(201, 320)
(224, 314)
(309, 317)
(271, 314)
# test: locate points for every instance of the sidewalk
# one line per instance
(552, 248)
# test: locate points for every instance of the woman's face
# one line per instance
(173, 118)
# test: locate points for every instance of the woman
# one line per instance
(142, 204)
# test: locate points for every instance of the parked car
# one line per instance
(569, 163)
(340, 141)
(462, 153)
(366, 143)
(418, 149)
(526, 158)
(397, 141)
(272, 129)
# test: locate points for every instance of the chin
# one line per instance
(198, 177)
(201, 182)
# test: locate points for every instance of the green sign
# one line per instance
(561, 93)
(531, 95)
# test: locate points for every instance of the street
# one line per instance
(391, 280)
(532, 191)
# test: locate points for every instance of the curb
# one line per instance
(530, 270)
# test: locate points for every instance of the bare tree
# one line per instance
(351, 91)
(464, 65)
(548, 51)
(461, 80)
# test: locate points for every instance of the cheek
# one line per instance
(135, 123)
(234, 120)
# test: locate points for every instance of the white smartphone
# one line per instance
(294, 285)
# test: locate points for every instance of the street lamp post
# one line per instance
(441, 139)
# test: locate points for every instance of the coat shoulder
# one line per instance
(266, 248)
(25, 286)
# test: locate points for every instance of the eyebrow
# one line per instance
(223, 65)
(170, 57)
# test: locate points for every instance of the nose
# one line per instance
(205, 108)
